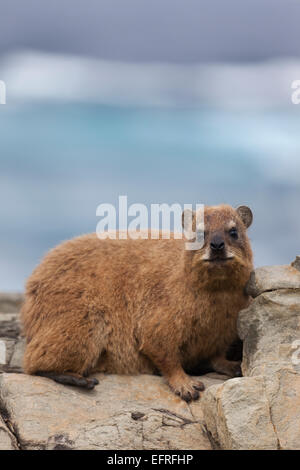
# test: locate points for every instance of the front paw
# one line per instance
(188, 389)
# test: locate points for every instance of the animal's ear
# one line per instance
(246, 215)
(188, 218)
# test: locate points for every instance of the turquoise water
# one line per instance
(58, 162)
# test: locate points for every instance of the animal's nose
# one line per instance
(217, 243)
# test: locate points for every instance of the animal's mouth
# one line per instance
(219, 260)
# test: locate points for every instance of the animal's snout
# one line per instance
(217, 243)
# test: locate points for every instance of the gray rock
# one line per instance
(283, 391)
(10, 302)
(7, 347)
(16, 361)
(122, 412)
(11, 354)
(269, 328)
(262, 410)
(11, 345)
(10, 325)
(296, 263)
(237, 415)
(7, 439)
(271, 278)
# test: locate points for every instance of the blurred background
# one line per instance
(162, 100)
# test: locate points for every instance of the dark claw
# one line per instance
(238, 371)
(187, 397)
(200, 386)
(89, 384)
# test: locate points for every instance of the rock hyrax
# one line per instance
(139, 306)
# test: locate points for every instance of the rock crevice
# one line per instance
(8, 436)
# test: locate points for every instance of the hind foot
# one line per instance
(230, 368)
(70, 379)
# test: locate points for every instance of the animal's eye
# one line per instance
(234, 233)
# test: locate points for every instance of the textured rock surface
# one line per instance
(271, 278)
(10, 302)
(9, 325)
(296, 263)
(11, 344)
(120, 413)
(7, 439)
(283, 391)
(237, 415)
(262, 410)
(269, 328)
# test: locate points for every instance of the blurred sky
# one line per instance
(169, 101)
(154, 30)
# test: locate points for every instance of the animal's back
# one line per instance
(96, 288)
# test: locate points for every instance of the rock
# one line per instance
(11, 354)
(269, 327)
(16, 361)
(7, 439)
(271, 278)
(11, 345)
(122, 412)
(9, 325)
(296, 263)
(10, 305)
(237, 415)
(10, 302)
(7, 347)
(283, 391)
(262, 409)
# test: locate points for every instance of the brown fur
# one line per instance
(137, 306)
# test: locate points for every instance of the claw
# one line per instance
(189, 390)
(199, 386)
(186, 397)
